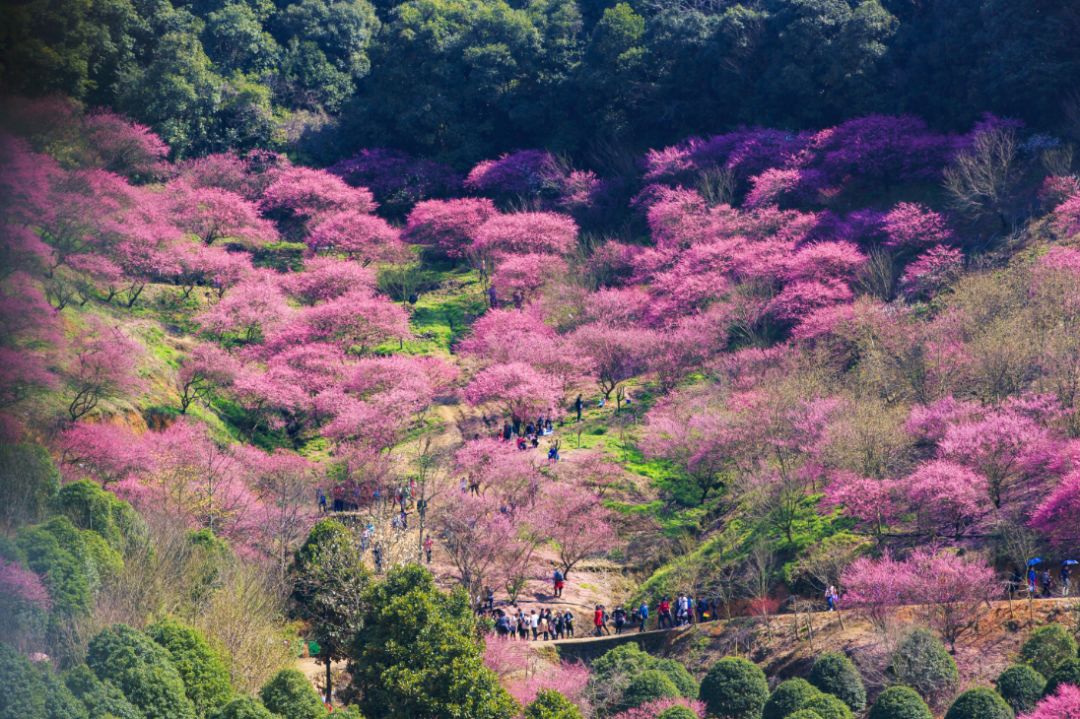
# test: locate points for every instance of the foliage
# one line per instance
(647, 686)
(979, 703)
(142, 670)
(28, 479)
(1065, 704)
(1068, 672)
(92, 508)
(550, 704)
(899, 702)
(835, 674)
(202, 669)
(290, 694)
(734, 688)
(60, 702)
(1047, 647)
(242, 708)
(22, 692)
(922, 662)
(1021, 686)
(101, 699)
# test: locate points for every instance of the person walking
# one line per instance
(663, 613)
(568, 624)
(620, 619)
(489, 598)
(643, 615)
(534, 623)
(1047, 583)
(523, 626)
(428, 546)
(577, 406)
(557, 625)
(558, 581)
(545, 625)
(1065, 575)
(320, 496)
(598, 620)
(376, 554)
(830, 598)
(1031, 577)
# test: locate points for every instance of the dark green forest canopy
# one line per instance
(460, 80)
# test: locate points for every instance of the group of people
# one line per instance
(1042, 583)
(545, 625)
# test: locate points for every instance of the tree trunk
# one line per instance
(328, 680)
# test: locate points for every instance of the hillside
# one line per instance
(362, 419)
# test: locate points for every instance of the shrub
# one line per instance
(204, 672)
(550, 704)
(291, 695)
(60, 703)
(88, 506)
(1047, 647)
(829, 707)
(22, 693)
(682, 679)
(1021, 686)
(789, 696)
(243, 708)
(647, 686)
(734, 688)
(804, 714)
(28, 477)
(142, 670)
(900, 702)
(102, 699)
(835, 674)
(677, 712)
(1068, 672)
(922, 662)
(979, 703)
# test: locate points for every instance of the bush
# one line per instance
(835, 674)
(290, 694)
(204, 672)
(1047, 648)
(922, 663)
(979, 703)
(28, 478)
(789, 696)
(22, 693)
(734, 688)
(60, 703)
(677, 712)
(626, 659)
(804, 714)
(647, 686)
(829, 707)
(88, 506)
(243, 708)
(1067, 673)
(682, 679)
(101, 699)
(1021, 687)
(550, 704)
(900, 702)
(142, 670)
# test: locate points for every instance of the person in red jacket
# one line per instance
(663, 613)
(598, 620)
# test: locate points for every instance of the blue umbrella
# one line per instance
(1034, 560)
(1070, 562)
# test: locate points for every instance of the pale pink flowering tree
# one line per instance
(654, 708)
(877, 586)
(910, 225)
(525, 232)
(476, 535)
(251, 310)
(932, 272)
(285, 486)
(103, 366)
(22, 374)
(299, 194)
(1058, 516)
(577, 524)
(314, 367)
(617, 353)
(1066, 219)
(124, 147)
(929, 423)
(953, 589)
(326, 278)
(106, 452)
(357, 321)
(517, 388)
(266, 395)
(20, 583)
(840, 261)
(204, 370)
(521, 277)
(948, 498)
(1062, 704)
(213, 214)
(802, 297)
(524, 674)
(359, 236)
(494, 336)
(446, 225)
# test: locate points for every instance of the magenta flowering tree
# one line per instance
(838, 261)
(525, 675)
(932, 272)
(113, 143)
(802, 297)
(446, 225)
(223, 170)
(877, 586)
(204, 370)
(212, 214)
(25, 603)
(359, 236)
(199, 265)
(251, 310)
(357, 321)
(617, 354)
(103, 366)
(873, 502)
(1062, 704)
(516, 388)
(397, 179)
(577, 524)
(516, 174)
(911, 226)
(525, 232)
(520, 277)
(1066, 218)
(107, 453)
(953, 589)
(948, 498)
(327, 278)
(299, 194)
(1056, 517)
(476, 537)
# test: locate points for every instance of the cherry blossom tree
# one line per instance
(205, 369)
(525, 232)
(953, 589)
(617, 353)
(199, 265)
(299, 194)
(253, 308)
(1062, 704)
(948, 498)
(106, 452)
(22, 374)
(285, 486)
(877, 586)
(126, 148)
(1056, 517)
(932, 271)
(518, 389)
(212, 214)
(800, 298)
(577, 524)
(910, 225)
(839, 261)
(327, 278)
(356, 321)
(475, 535)
(1066, 218)
(446, 225)
(521, 277)
(103, 367)
(361, 237)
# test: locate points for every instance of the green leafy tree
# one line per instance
(28, 478)
(923, 663)
(828, 707)
(1047, 647)
(680, 712)
(682, 679)
(142, 670)
(290, 694)
(22, 693)
(979, 703)
(60, 703)
(90, 507)
(899, 702)
(1021, 686)
(790, 695)
(647, 686)
(1068, 672)
(734, 688)
(835, 674)
(101, 699)
(329, 587)
(203, 669)
(550, 704)
(416, 654)
(243, 708)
